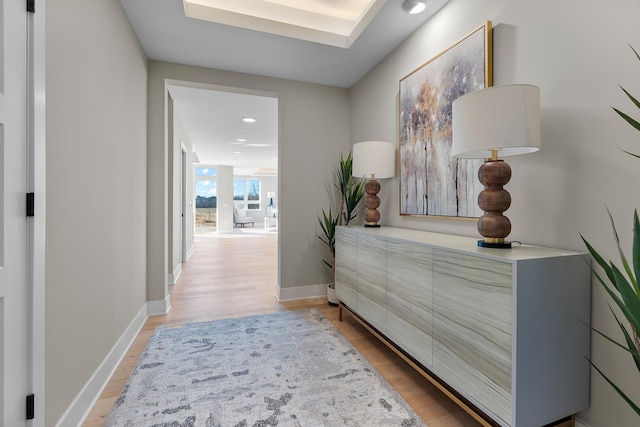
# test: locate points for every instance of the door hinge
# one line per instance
(31, 407)
(31, 204)
(31, 6)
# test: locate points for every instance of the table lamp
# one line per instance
(488, 123)
(270, 209)
(373, 159)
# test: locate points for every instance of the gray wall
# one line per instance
(577, 54)
(314, 129)
(180, 140)
(96, 76)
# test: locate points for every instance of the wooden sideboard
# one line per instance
(499, 330)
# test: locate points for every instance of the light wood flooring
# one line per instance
(236, 275)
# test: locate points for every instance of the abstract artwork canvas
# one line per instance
(432, 181)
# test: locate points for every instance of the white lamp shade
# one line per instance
(377, 158)
(506, 118)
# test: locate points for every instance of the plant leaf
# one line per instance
(616, 388)
(620, 303)
(633, 122)
(631, 305)
(634, 51)
(328, 226)
(601, 262)
(630, 342)
(611, 340)
(351, 189)
(352, 198)
(635, 101)
(608, 338)
(636, 246)
(630, 153)
(625, 263)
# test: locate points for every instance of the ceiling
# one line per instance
(331, 22)
(213, 120)
(166, 34)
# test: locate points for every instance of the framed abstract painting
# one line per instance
(432, 181)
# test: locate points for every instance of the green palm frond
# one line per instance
(328, 237)
(625, 263)
(631, 350)
(633, 122)
(623, 288)
(617, 389)
(632, 346)
(636, 247)
(351, 190)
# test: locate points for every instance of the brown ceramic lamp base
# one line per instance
(371, 201)
(494, 200)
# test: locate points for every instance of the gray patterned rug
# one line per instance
(291, 368)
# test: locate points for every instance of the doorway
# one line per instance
(228, 162)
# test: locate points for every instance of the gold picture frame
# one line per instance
(432, 181)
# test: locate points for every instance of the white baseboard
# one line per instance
(580, 424)
(159, 307)
(173, 278)
(301, 292)
(86, 399)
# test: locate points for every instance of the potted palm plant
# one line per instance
(621, 284)
(350, 191)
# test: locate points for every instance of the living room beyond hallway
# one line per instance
(235, 275)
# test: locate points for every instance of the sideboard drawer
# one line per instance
(472, 305)
(409, 298)
(371, 286)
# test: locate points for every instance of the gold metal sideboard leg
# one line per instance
(567, 422)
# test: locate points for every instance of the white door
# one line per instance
(14, 305)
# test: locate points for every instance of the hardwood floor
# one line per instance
(236, 275)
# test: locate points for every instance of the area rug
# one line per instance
(291, 368)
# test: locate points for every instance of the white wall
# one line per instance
(577, 54)
(96, 78)
(224, 210)
(313, 130)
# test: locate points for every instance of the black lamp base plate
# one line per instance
(372, 225)
(505, 245)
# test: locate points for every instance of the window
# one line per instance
(247, 191)
(206, 172)
(206, 196)
(206, 187)
(206, 193)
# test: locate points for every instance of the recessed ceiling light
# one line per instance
(413, 7)
(258, 145)
(248, 120)
(241, 140)
(237, 152)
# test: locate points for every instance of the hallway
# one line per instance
(235, 275)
